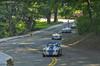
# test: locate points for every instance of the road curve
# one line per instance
(26, 51)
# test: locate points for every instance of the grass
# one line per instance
(43, 24)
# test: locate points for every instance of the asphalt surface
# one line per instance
(26, 51)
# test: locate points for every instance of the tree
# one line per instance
(56, 5)
(10, 12)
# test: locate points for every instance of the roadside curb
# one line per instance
(29, 34)
(10, 38)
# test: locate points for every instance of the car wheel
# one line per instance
(70, 32)
(43, 55)
(58, 55)
(60, 52)
(48, 55)
(52, 38)
(62, 32)
(60, 38)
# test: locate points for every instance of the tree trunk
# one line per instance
(12, 29)
(56, 10)
(29, 23)
(89, 10)
(49, 17)
(55, 14)
(90, 15)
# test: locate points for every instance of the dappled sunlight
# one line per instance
(64, 64)
(22, 50)
(26, 49)
(92, 65)
(59, 20)
(37, 32)
(19, 49)
(76, 57)
(25, 43)
(32, 49)
(79, 62)
(45, 38)
(64, 46)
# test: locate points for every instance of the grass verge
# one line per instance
(43, 24)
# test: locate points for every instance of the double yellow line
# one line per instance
(53, 61)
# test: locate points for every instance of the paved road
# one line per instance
(27, 50)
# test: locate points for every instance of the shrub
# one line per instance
(83, 24)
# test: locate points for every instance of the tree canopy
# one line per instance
(19, 16)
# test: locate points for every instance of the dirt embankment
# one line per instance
(85, 42)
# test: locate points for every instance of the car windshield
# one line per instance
(57, 45)
(56, 34)
(50, 45)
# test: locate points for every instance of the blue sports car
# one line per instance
(52, 49)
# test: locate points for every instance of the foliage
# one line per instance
(20, 27)
(41, 25)
(66, 11)
(83, 24)
(19, 16)
(90, 21)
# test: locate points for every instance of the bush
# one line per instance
(96, 25)
(83, 24)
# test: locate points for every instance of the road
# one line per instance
(26, 51)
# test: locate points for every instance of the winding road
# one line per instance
(26, 51)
